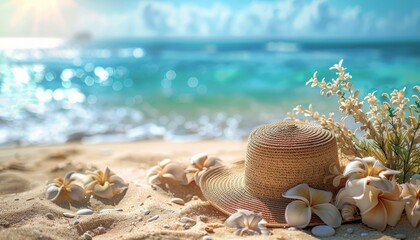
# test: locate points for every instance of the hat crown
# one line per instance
(281, 155)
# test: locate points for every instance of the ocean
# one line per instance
(95, 91)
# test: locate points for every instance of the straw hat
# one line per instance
(279, 156)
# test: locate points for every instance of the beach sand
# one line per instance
(25, 213)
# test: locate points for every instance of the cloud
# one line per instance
(282, 19)
(288, 18)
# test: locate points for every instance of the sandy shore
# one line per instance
(24, 207)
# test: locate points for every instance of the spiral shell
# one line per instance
(350, 212)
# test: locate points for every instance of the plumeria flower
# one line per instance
(199, 165)
(379, 208)
(247, 223)
(299, 212)
(411, 195)
(336, 177)
(105, 184)
(167, 172)
(68, 189)
(368, 171)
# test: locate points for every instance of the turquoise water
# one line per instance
(126, 90)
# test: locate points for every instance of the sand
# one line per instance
(148, 213)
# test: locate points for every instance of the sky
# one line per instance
(294, 19)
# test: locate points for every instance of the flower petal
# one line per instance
(381, 183)
(103, 191)
(376, 217)
(89, 187)
(343, 198)
(328, 213)
(413, 213)
(254, 220)
(354, 167)
(235, 220)
(298, 214)
(76, 192)
(394, 210)
(67, 177)
(175, 172)
(337, 180)
(368, 200)
(356, 187)
(199, 159)
(117, 181)
(388, 173)
(394, 194)
(300, 192)
(212, 162)
(53, 192)
(319, 196)
(107, 173)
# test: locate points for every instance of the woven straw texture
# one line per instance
(279, 156)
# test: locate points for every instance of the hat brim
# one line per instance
(224, 188)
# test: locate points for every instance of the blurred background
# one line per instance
(109, 71)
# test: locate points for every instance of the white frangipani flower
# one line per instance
(411, 195)
(299, 212)
(247, 223)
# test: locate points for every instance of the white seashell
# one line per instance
(349, 230)
(107, 210)
(349, 212)
(400, 236)
(178, 201)
(153, 218)
(86, 236)
(69, 215)
(186, 220)
(323, 231)
(84, 211)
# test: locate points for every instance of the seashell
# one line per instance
(349, 212)
(199, 164)
(50, 216)
(105, 184)
(66, 189)
(153, 218)
(69, 215)
(323, 231)
(400, 236)
(186, 220)
(167, 172)
(84, 211)
(247, 223)
(178, 201)
(350, 230)
(87, 236)
(107, 210)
